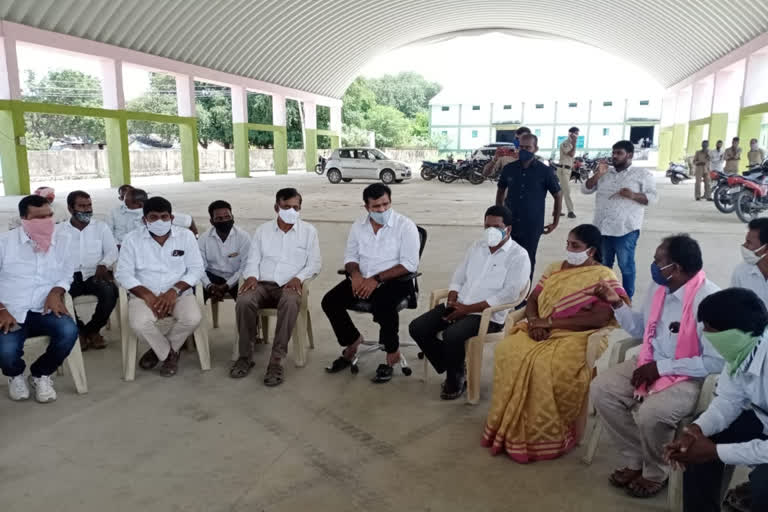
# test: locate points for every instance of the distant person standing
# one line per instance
(701, 168)
(716, 161)
(567, 152)
(519, 134)
(732, 156)
(523, 188)
(756, 154)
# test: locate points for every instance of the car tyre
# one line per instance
(387, 176)
(346, 180)
(334, 176)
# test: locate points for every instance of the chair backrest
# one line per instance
(413, 298)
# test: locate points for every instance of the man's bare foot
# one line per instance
(624, 477)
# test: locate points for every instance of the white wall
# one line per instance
(511, 115)
(452, 135)
(650, 111)
(573, 115)
(469, 116)
(613, 113)
(440, 117)
(535, 115)
(469, 142)
(544, 133)
(598, 140)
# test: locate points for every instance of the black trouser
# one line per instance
(530, 242)
(106, 294)
(448, 354)
(219, 280)
(703, 483)
(384, 301)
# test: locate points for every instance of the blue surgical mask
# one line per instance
(380, 217)
(524, 155)
(658, 276)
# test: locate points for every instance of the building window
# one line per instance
(507, 107)
(644, 103)
(537, 132)
(474, 134)
(573, 105)
(539, 105)
(475, 107)
(444, 132)
(606, 132)
(445, 109)
(607, 103)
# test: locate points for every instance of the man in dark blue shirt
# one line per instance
(523, 188)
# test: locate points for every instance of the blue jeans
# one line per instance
(623, 249)
(62, 332)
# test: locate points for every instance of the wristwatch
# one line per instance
(178, 291)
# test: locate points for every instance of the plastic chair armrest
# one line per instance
(437, 296)
(707, 393)
(619, 350)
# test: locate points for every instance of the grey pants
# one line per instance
(641, 429)
(266, 295)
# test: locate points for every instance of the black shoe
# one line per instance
(149, 360)
(453, 387)
(341, 363)
(383, 374)
(571, 215)
(698, 199)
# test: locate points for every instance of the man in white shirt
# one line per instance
(59, 210)
(716, 162)
(35, 273)
(641, 404)
(734, 429)
(495, 271)
(129, 215)
(94, 252)
(224, 249)
(752, 272)
(382, 247)
(284, 253)
(622, 194)
(160, 265)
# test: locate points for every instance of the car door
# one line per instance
(368, 165)
(346, 163)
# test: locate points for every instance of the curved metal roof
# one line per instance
(319, 46)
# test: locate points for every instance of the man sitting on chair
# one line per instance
(642, 400)
(284, 253)
(94, 251)
(129, 215)
(224, 248)
(495, 271)
(35, 272)
(160, 265)
(382, 247)
(60, 215)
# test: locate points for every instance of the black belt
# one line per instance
(563, 166)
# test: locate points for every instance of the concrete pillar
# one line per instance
(335, 126)
(755, 92)
(10, 87)
(240, 131)
(13, 149)
(185, 96)
(118, 161)
(310, 131)
(749, 127)
(280, 135)
(701, 99)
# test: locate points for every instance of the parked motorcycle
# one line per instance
(320, 167)
(429, 170)
(677, 173)
(580, 170)
(729, 186)
(752, 200)
(470, 170)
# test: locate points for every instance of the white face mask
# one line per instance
(577, 258)
(289, 216)
(159, 227)
(494, 236)
(750, 257)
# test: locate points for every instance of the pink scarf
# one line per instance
(687, 339)
(40, 231)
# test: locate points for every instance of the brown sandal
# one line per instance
(274, 376)
(623, 477)
(643, 488)
(96, 341)
(241, 368)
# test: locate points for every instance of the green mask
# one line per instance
(734, 345)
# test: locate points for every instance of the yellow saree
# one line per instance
(539, 388)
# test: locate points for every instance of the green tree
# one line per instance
(160, 99)
(358, 100)
(420, 125)
(407, 92)
(214, 115)
(391, 127)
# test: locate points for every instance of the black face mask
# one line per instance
(224, 226)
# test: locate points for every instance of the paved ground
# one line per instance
(203, 442)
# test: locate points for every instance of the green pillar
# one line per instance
(749, 128)
(280, 149)
(310, 148)
(718, 129)
(117, 151)
(665, 150)
(695, 136)
(242, 159)
(13, 156)
(335, 141)
(676, 147)
(190, 160)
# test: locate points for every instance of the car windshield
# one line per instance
(377, 154)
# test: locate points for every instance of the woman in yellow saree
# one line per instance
(541, 378)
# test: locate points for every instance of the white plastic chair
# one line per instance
(74, 359)
(129, 341)
(302, 332)
(92, 300)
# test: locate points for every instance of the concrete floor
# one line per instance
(205, 442)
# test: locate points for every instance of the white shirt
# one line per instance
(665, 342)
(26, 276)
(91, 247)
(749, 277)
(144, 262)
(616, 215)
(278, 257)
(60, 215)
(497, 278)
(225, 259)
(122, 221)
(716, 162)
(746, 389)
(396, 243)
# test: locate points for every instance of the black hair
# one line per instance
(522, 130)
(122, 187)
(72, 197)
(138, 194)
(285, 194)
(685, 251)
(734, 308)
(218, 205)
(625, 145)
(591, 237)
(719, 142)
(735, 139)
(500, 211)
(573, 129)
(704, 142)
(157, 204)
(760, 225)
(26, 202)
(534, 137)
(375, 191)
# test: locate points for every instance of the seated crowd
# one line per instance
(542, 380)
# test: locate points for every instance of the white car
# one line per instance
(347, 164)
(488, 151)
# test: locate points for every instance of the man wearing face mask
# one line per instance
(129, 216)
(35, 272)
(752, 273)
(475, 286)
(382, 247)
(94, 251)
(756, 154)
(224, 249)
(160, 265)
(284, 253)
(622, 192)
(59, 210)
(641, 400)
(523, 188)
(732, 156)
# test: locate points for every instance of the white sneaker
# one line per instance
(43, 387)
(17, 388)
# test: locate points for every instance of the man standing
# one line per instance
(284, 253)
(35, 273)
(623, 192)
(756, 154)
(523, 130)
(160, 265)
(701, 166)
(641, 401)
(567, 152)
(732, 156)
(523, 188)
(716, 161)
(93, 251)
(381, 248)
(224, 249)
(752, 273)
